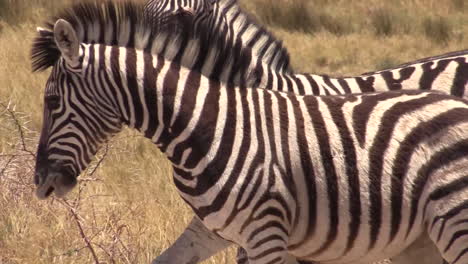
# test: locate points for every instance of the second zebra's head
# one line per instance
(78, 117)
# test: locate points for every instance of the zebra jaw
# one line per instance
(55, 182)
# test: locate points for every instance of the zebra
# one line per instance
(96, 88)
(454, 57)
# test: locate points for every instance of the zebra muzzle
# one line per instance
(56, 182)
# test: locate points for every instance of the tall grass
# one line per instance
(438, 29)
(382, 20)
(299, 15)
(291, 15)
(459, 5)
(19, 11)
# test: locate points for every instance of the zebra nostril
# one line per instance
(49, 191)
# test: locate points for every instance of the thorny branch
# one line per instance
(16, 120)
(7, 164)
(19, 127)
(98, 164)
(74, 209)
(82, 232)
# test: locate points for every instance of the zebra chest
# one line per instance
(228, 204)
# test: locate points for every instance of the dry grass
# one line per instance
(127, 210)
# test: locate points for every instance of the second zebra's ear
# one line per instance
(67, 41)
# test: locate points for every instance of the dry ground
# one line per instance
(126, 209)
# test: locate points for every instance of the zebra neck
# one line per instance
(174, 107)
(190, 111)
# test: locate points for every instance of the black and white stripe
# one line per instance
(264, 170)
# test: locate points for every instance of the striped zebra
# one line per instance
(381, 168)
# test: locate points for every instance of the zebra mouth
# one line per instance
(60, 183)
(46, 189)
(49, 191)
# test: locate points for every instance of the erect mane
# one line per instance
(124, 24)
(284, 54)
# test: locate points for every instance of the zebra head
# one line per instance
(82, 108)
(77, 118)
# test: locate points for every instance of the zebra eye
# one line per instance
(52, 102)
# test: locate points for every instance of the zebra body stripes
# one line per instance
(334, 178)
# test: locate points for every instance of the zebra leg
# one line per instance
(276, 258)
(194, 245)
(448, 228)
(421, 251)
(242, 257)
(268, 251)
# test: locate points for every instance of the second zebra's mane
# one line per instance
(124, 24)
(235, 17)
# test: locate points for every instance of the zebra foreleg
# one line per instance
(242, 258)
(420, 251)
(276, 258)
(194, 245)
(268, 249)
(448, 227)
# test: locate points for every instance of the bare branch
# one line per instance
(81, 230)
(19, 127)
(104, 155)
(6, 165)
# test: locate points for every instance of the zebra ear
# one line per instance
(67, 41)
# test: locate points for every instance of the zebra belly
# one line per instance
(338, 232)
(239, 233)
(317, 247)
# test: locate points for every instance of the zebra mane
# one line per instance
(284, 52)
(119, 21)
(124, 24)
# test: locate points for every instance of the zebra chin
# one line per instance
(58, 182)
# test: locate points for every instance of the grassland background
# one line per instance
(126, 208)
